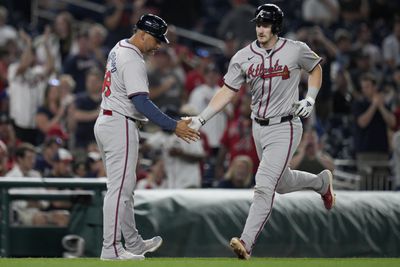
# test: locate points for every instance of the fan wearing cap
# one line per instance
(62, 164)
(125, 107)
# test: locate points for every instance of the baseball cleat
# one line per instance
(124, 256)
(238, 247)
(329, 196)
(149, 245)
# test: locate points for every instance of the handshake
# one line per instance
(189, 131)
(196, 122)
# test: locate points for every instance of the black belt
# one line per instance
(108, 112)
(266, 122)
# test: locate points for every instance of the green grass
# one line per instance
(202, 262)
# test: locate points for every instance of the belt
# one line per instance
(108, 112)
(266, 122)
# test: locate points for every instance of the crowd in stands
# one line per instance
(51, 78)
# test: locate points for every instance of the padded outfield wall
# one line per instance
(200, 223)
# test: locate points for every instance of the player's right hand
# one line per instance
(186, 133)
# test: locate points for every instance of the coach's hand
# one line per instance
(186, 133)
(304, 107)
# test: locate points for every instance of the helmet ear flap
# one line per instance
(275, 28)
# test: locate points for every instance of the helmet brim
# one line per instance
(162, 38)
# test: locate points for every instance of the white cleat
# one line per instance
(124, 256)
(150, 245)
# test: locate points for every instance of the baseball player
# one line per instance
(271, 65)
(125, 105)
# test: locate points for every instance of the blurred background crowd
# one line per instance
(52, 58)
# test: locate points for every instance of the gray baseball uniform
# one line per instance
(118, 139)
(274, 78)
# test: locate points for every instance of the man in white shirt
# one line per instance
(27, 212)
(27, 83)
(199, 98)
(25, 161)
(391, 46)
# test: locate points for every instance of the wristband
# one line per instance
(206, 114)
(312, 93)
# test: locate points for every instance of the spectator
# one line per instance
(364, 43)
(45, 159)
(60, 40)
(32, 212)
(3, 159)
(97, 36)
(199, 98)
(119, 17)
(396, 160)
(95, 167)
(195, 77)
(183, 55)
(343, 94)
(321, 12)
(78, 65)
(80, 169)
(237, 21)
(62, 166)
(27, 82)
(25, 160)
(166, 87)
(353, 11)
(181, 159)
(26, 212)
(3, 78)
(85, 109)
(363, 65)
(67, 86)
(230, 47)
(373, 119)
(310, 156)
(391, 46)
(7, 32)
(239, 174)
(327, 50)
(50, 117)
(7, 134)
(342, 61)
(156, 178)
(237, 140)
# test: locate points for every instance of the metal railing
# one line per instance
(7, 194)
(99, 8)
(347, 176)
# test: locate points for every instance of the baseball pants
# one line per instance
(118, 140)
(275, 146)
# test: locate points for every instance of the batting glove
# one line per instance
(196, 122)
(304, 107)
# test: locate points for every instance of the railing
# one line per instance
(348, 177)
(92, 187)
(99, 8)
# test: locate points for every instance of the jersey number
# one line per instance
(107, 84)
